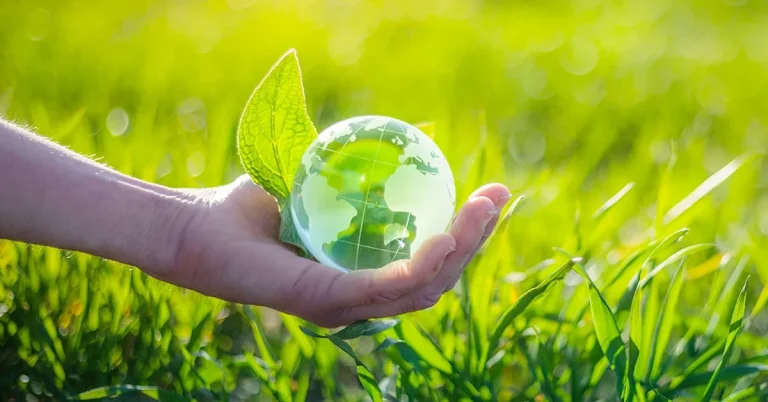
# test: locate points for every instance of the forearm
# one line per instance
(52, 196)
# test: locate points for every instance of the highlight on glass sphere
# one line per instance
(369, 191)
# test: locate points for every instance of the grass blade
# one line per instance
(729, 373)
(366, 328)
(426, 348)
(673, 259)
(665, 322)
(737, 324)
(259, 336)
(155, 393)
(626, 299)
(363, 373)
(504, 222)
(613, 201)
(651, 313)
(506, 318)
(619, 272)
(751, 393)
(761, 302)
(636, 334)
(706, 187)
(662, 199)
(708, 354)
(608, 334)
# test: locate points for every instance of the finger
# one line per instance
(467, 229)
(496, 192)
(415, 301)
(472, 225)
(319, 286)
(500, 196)
(398, 278)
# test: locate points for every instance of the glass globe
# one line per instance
(369, 191)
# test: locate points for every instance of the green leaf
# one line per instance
(275, 128)
(259, 368)
(737, 324)
(690, 368)
(608, 335)
(273, 134)
(636, 336)
(303, 385)
(671, 239)
(706, 187)
(513, 207)
(727, 296)
(363, 373)
(655, 396)
(519, 306)
(651, 312)
(729, 373)
(626, 299)
(259, 337)
(675, 258)
(756, 393)
(665, 322)
(369, 383)
(384, 345)
(292, 324)
(124, 390)
(613, 201)
(427, 350)
(366, 328)
(619, 272)
(662, 199)
(357, 329)
(420, 364)
(312, 333)
(405, 350)
(761, 302)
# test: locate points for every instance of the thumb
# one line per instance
(374, 286)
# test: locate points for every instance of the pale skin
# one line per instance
(220, 241)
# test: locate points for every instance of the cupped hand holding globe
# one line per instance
(230, 248)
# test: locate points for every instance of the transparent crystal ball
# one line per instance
(369, 191)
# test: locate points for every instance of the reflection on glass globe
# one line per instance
(369, 191)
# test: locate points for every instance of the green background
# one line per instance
(564, 102)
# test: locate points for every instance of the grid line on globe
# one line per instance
(369, 191)
(365, 159)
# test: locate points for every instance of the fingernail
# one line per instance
(505, 198)
(493, 212)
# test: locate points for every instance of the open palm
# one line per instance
(230, 249)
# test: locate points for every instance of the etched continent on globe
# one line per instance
(369, 191)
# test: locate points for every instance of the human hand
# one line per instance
(221, 242)
(229, 249)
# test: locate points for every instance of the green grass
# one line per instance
(635, 134)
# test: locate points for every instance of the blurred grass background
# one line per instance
(565, 102)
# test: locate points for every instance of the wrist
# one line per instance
(167, 215)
